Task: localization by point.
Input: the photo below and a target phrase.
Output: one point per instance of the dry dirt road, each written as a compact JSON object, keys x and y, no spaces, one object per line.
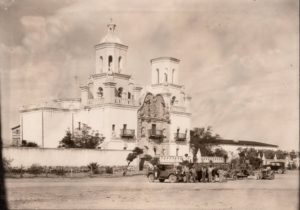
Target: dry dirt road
{"x":137,"y":193}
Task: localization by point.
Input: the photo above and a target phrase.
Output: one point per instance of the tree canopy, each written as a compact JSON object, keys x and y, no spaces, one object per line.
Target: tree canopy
{"x":83,"y":137}
{"x":200,"y":140}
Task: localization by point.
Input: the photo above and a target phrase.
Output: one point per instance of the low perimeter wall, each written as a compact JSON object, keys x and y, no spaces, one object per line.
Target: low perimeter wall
{"x":64,"y":157}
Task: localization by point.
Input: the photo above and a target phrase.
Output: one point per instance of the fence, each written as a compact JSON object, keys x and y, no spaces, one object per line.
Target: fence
{"x":22,"y":156}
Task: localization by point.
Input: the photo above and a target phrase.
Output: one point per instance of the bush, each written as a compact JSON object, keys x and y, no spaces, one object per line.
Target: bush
{"x":35,"y":169}
{"x":6,"y":164}
{"x":109,"y":170}
{"x":28,"y":144}
{"x":94,"y":167}
{"x":17,"y":170}
{"x":60,"y":171}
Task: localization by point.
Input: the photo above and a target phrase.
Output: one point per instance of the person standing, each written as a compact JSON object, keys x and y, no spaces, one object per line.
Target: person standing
{"x":186,"y":173}
{"x":203,"y":171}
{"x":156,"y":171}
{"x":193,"y":173}
{"x":210,"y":170}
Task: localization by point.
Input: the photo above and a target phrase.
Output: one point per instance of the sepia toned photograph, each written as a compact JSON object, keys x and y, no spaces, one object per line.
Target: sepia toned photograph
{"x":149,"y":105}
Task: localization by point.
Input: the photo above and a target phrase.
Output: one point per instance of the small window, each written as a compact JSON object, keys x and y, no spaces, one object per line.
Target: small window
{"x":100,"y":92}
{"x":173,"y":100}
{"x":177,"y":152}
{"x":166,"y":77}
{"x":110,"y":61}
{"x":129,"y":95}
{"x":157,"y":75}
{"x":101,"y":64}
{"x":120,"y":64}
{"x":173,"y":72}
{"x":113,"y":127}
{"x":120,"y":92}
{"x":124,"y":126}
{"x":154,"y":150}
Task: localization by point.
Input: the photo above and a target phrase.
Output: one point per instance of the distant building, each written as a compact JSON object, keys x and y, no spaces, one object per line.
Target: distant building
{"x":15,"y":133}
{"x":232,"y":146}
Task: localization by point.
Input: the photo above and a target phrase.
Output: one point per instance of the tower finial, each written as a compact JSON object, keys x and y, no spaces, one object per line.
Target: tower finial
{"x":111,"y":26}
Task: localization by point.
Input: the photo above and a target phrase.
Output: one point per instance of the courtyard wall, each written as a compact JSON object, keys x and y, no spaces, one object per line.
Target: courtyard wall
{"x":22,"y":156}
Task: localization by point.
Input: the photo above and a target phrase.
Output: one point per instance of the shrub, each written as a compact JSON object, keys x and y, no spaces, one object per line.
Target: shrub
{"x":109,"y":170}
{"x":17,"y":170}
{"x":94,"y":167}
{"x":28,"y":144}
{"x":60,"y":171}
{"x":35,"y":169}
{"x":6,"y":164}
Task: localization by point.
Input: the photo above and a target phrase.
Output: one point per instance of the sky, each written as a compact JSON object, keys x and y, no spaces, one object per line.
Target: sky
{"x":239,"y":59}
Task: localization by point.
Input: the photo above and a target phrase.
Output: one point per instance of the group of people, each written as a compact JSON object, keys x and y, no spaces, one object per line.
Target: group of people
{"x":201,"y":174}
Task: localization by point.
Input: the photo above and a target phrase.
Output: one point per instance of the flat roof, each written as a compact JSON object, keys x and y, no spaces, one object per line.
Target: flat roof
{"x":239,"y":142}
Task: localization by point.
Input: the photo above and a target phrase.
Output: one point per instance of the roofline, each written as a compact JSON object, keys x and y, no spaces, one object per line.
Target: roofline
{"x":165,"y":58}
{"x":240,"y":142}
{"x":17,"y":126}
{"x":66,"y":99}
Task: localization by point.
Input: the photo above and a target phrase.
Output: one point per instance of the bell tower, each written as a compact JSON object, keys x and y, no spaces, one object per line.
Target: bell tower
{"x":111,"y":53}
{"x":164,"y":70}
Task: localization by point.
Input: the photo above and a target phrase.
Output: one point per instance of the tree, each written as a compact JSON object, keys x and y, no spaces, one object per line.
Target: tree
{"x":67,"y":141}
{"x":293,"y":155}
{"x":220,"y":152}
{"x":270,"y":154}
{"x":83,"y":138}
{"x":201,"y":139}
{"x":131,"y":156}
{"x":251,"y":156}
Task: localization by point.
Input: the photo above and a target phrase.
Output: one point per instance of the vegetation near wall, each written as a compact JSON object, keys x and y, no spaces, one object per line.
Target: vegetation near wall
{"x":199,"y":139}
{"x":83,"y":137}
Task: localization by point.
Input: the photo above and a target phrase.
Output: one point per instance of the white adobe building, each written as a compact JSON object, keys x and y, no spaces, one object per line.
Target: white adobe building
{"x":156,"y":118}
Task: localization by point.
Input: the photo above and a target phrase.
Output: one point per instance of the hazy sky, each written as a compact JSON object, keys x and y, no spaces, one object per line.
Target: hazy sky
{"x":239,"y":59}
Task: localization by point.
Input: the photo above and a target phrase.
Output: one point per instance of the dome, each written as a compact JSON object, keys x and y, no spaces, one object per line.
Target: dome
{"x":111,"y":37}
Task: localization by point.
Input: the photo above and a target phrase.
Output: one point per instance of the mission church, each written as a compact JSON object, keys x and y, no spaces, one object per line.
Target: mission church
{"x":156,"y":118}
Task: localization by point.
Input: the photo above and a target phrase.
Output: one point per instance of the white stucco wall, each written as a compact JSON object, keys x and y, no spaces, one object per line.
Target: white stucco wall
{"x":65,"y":157}
{"x":32,"y":126}
{"x":181,"y":121}
{"x":56,"y":124}
{"x":119,"y":116}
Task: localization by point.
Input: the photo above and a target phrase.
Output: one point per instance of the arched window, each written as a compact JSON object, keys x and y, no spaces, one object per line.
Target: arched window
{"x":173,"y":100}
{"x":177,"y":151}
{"x":120,"y":92}
{"x":100,"y":92}
{"x":120,"y":64}
{"x":110,"y":62}
{"x":101,"y":64}
{"x":166,"y":77}
{"x":157,"y":75}
{"x":173,"y":72}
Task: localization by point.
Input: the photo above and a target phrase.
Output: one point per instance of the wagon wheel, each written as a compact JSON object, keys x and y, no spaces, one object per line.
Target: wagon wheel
{"x":280,"y":171}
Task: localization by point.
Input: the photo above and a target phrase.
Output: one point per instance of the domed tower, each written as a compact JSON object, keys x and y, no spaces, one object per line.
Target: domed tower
{"x":110,"y":52}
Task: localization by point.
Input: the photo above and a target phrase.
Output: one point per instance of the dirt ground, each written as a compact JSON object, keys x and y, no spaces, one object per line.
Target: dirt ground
{"x":137,"y":193}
